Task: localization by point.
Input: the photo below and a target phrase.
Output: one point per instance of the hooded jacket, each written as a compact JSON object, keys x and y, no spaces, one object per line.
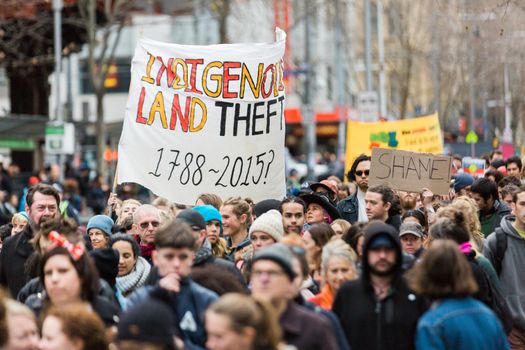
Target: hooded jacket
{"x":373,"y":324}
{"x":511,"y":276}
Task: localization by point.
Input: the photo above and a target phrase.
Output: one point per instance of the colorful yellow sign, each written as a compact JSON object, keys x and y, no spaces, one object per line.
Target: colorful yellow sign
{"x":421,"y":134}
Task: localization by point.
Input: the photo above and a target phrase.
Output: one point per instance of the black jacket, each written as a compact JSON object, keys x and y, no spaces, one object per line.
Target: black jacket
{"x":373,"y":324}
{"x":106,"y":310}
{"x":15,"y":252}
{"x":349,"y":208}
{"x":34,"y":287}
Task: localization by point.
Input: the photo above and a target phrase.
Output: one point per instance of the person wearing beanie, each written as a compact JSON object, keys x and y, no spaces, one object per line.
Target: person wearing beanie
{"x":204,"y":254}
{"x":266,"y":230}
{"x":462,"y":183}
{"x":99,"y":230}
{"x":19,"y":222}
{"x":213,"y":219}
{"x":273,"y":278}
{"x":264,"y":206}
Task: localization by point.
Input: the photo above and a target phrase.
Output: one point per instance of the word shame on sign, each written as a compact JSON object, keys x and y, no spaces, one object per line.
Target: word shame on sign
{"x":206,"y":119}
{"x":410,"y":171}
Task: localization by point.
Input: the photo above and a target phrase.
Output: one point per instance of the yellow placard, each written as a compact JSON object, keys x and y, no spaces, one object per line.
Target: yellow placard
{"x":421,"y":134}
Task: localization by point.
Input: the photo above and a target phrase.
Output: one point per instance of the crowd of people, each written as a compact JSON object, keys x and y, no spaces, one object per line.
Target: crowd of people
{"x":333,"y":265}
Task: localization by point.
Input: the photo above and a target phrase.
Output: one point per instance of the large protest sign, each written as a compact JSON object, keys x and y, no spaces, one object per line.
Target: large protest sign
{"x":205,"y":119}
{"x":410,"y":171}
{"x":421,"y":134}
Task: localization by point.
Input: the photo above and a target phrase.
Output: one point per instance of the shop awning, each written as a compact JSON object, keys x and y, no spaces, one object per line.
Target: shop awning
{"x":292,"y":115}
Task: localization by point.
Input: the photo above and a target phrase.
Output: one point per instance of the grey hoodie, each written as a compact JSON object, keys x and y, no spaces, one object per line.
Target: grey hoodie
{"x":511,"y":276}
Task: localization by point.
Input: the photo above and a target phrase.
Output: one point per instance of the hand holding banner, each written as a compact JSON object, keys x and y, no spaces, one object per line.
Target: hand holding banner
{"x":205,"y":119}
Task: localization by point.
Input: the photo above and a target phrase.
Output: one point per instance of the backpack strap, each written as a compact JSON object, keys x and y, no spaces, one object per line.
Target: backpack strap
{"x":501,"y":247}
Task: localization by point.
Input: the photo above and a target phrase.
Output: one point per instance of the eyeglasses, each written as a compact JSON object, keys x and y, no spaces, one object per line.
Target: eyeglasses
{"x":360,"y":172}
{"x":145,"y":225}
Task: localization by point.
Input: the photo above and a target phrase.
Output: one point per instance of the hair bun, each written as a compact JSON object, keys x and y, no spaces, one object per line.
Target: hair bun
{"x":459,"y":218}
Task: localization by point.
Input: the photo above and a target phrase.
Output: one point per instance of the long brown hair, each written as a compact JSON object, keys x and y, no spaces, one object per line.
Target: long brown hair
{"x":444,"y":272}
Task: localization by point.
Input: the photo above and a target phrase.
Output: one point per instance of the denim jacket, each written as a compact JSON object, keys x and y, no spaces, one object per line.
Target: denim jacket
{"x":456,"y":324}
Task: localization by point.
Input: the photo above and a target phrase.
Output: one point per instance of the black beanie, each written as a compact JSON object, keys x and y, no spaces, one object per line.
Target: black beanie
{"x":106,"y":260}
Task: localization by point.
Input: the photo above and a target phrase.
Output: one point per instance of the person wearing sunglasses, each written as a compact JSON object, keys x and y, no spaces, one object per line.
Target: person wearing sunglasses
{"x":353,"y":207}
{"x":146,"y":221}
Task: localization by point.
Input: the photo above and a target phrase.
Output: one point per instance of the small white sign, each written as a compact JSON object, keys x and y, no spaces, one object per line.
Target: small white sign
{"x":368,"y":106}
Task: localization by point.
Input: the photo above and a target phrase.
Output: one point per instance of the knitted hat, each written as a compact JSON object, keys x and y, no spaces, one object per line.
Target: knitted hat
{"x":278,"y":253}
{"x":209,"y":212}
{"x":462,"y":180}
{"x":271,"y":223}
{"x":265,"y":205}
{"x":192,"y":218}
{"x":102,"y":222}
{"x":150,"y":321}
{"x":106,"y":261}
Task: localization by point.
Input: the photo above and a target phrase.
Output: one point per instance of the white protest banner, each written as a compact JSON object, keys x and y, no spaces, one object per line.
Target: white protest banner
{"x":205,"y":119}
{"x":410,"y":171}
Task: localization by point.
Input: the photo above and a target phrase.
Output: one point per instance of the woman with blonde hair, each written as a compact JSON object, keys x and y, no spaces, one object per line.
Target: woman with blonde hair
{"x":337,"y":266}
{"x":240,"y":322}
{"x":127,"y":208}
{"x":22,"y":329}
{"x":340,"y":227}
{"x":468,"y":207}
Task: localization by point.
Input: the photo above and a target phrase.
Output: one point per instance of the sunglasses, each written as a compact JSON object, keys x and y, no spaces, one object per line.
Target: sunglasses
{"x":145,"y":225}
{"x":360,"y":172}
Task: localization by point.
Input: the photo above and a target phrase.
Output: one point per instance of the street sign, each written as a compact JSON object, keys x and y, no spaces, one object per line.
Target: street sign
{"x":368,"y":106}
{"x":60,"y":138}
{"x":17,"y":144}
{"x":471,"y":137}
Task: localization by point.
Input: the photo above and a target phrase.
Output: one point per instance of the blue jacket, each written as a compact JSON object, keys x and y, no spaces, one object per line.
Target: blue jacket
{"x":457,"y":324}
{"x":189,"y":306}
{"x":349,"y":208}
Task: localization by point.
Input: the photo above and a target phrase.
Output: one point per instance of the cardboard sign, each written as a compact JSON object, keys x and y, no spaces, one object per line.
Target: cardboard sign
{"x":422,"y":134}
{"x":203,"y":119}
{"x":410,"y":171}
{"x":473,"y":166}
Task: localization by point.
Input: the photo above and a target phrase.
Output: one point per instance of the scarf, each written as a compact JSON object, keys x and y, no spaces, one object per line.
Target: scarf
{"x":146,"y":250}
{"x":135,"y":279}
{"x":325,"y":299}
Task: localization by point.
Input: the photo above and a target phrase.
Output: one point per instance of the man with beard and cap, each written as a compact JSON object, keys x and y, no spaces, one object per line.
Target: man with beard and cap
{"x":42,"y":203}
{"x":378,"y":311}
{"x":353,"y":207}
